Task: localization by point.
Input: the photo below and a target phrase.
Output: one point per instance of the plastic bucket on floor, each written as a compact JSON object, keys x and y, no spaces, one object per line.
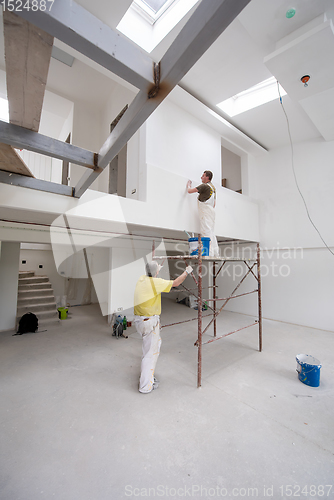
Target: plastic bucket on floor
{"x":193,"y":246}
{"x":62,"y":311}
{"x":308,"y":369}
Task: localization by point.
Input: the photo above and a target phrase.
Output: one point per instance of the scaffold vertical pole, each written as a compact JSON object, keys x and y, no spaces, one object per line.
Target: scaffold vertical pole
{"x":214,"y":296}
{"x":199,"y":310}
{"x":259,"y":296}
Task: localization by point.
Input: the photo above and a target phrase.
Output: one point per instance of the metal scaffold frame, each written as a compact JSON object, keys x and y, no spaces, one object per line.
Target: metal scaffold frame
{"x":199,"y":259}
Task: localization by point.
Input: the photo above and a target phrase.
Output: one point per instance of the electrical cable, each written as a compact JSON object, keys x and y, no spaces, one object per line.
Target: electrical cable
{"x":294,"y":173}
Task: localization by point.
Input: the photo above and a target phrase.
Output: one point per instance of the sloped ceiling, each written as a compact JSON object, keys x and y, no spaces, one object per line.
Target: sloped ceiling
{"x":235,"y":62}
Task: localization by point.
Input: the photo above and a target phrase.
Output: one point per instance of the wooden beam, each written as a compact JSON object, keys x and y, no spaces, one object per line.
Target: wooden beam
{"x":22,"y":138}
{"x":206,"y":24}
{"x":28,"y":182}
{"x":78,"y":28}
{"x":27,"y":54}
{"x":11,"y":161}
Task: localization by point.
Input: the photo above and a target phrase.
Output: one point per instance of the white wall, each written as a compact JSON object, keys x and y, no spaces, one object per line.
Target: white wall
{"x":86,"y":134}
{"x":9,"y":275}
{"x":168,"y":206}
{"x":120,"y":97}
{"x":181,"y":144}
{"x":298,"y":270}
{"x":56,"y":122}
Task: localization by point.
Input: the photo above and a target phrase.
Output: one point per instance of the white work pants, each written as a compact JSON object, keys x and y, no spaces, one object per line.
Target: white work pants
{"x":149,"y":329}
{"x":207,"y":217}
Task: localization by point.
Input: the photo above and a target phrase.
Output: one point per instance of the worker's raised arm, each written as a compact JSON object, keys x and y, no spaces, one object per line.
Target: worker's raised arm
{"x":180,"y":279}
{"x":190,"y":189}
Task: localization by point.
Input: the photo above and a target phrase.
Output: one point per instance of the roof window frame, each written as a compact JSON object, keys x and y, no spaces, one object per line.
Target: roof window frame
{"x":142,"y":8}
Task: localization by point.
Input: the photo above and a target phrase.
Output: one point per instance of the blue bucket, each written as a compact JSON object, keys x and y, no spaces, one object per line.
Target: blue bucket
{"x":193,"y":246}
{"x":308,"y":369}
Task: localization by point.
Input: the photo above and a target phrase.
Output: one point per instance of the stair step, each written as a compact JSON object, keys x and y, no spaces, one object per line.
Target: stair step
{"x":37,"y":308}
{"x":34,"y":299}
{"x":34,"y":286}
{"x":35,"y":292}
{"x":33,"y":279}
{"x":26,"y":274}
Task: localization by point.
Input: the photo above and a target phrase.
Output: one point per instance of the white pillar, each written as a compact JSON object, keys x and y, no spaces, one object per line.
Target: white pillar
{"x":9,"y":276}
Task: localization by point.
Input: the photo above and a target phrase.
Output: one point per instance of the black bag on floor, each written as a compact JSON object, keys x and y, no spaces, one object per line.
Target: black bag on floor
{"x":28,"y":323}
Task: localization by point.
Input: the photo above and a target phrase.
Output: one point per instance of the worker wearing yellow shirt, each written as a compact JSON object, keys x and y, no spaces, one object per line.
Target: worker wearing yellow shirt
{"x":147,"y":311}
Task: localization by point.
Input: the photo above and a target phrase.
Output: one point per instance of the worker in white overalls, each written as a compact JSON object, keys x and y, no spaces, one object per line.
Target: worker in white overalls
{"x":147,"y":309}
{"x":206,"y":202}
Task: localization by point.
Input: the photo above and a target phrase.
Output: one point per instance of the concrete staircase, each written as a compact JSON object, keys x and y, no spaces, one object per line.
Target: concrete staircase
{"x":35,"y":294}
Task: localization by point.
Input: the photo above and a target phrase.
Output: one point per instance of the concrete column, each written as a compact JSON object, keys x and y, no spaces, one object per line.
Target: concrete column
{"x":9,"y":276}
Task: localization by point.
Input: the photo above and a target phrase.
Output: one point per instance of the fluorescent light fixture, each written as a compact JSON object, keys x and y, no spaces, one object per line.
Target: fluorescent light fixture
{"x":261,"y":93}
{"x":4,"y":113}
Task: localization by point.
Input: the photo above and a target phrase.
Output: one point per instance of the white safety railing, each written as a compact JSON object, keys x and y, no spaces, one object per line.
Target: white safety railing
{"x":42,"y":167}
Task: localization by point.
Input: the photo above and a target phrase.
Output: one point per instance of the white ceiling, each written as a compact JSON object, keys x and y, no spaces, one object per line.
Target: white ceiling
{"x":233,"y":63}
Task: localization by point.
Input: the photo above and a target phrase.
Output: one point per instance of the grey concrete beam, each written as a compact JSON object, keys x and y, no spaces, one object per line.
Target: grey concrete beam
{"x":22,"y":138}
{"x":206,"y":24}
{"x":78,"y":28}
{"x":32,"y":183}
{"x":27,"y":55}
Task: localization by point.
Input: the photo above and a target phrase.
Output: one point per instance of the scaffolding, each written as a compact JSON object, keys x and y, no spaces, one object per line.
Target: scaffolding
{"x":217,"y":265}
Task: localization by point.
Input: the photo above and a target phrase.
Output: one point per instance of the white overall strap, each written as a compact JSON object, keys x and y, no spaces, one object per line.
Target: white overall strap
{"x":215,"y":194}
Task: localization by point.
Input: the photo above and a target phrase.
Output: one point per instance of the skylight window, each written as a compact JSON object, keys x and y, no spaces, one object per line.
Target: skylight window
{"x":261,"y":93}
{"x":151,"y":10}
{"x":148,"y":22}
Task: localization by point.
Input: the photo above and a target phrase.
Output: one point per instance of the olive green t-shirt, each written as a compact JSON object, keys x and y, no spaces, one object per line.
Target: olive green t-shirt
{"x":205,"y":191}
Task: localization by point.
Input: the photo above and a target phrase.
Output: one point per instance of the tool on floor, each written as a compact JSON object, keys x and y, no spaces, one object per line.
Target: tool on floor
{"x":117,"y":328}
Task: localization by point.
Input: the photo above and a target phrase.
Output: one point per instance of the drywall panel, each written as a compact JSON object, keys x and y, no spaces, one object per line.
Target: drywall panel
{"x":320,"y":109}
{"x":168,"y":206}
{"x":283,"y":216}
{"x":119,"y":98}
{"x":236,"y":215}
{"x":297,"y":287}
{"x":9,"y":275}
{"x":181,"y":144}
{"x":87,"y":135}
{"x":297,"y":269}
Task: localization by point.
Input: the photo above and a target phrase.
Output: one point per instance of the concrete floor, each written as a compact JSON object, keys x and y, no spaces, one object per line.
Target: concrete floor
{"x":74,"y":426}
